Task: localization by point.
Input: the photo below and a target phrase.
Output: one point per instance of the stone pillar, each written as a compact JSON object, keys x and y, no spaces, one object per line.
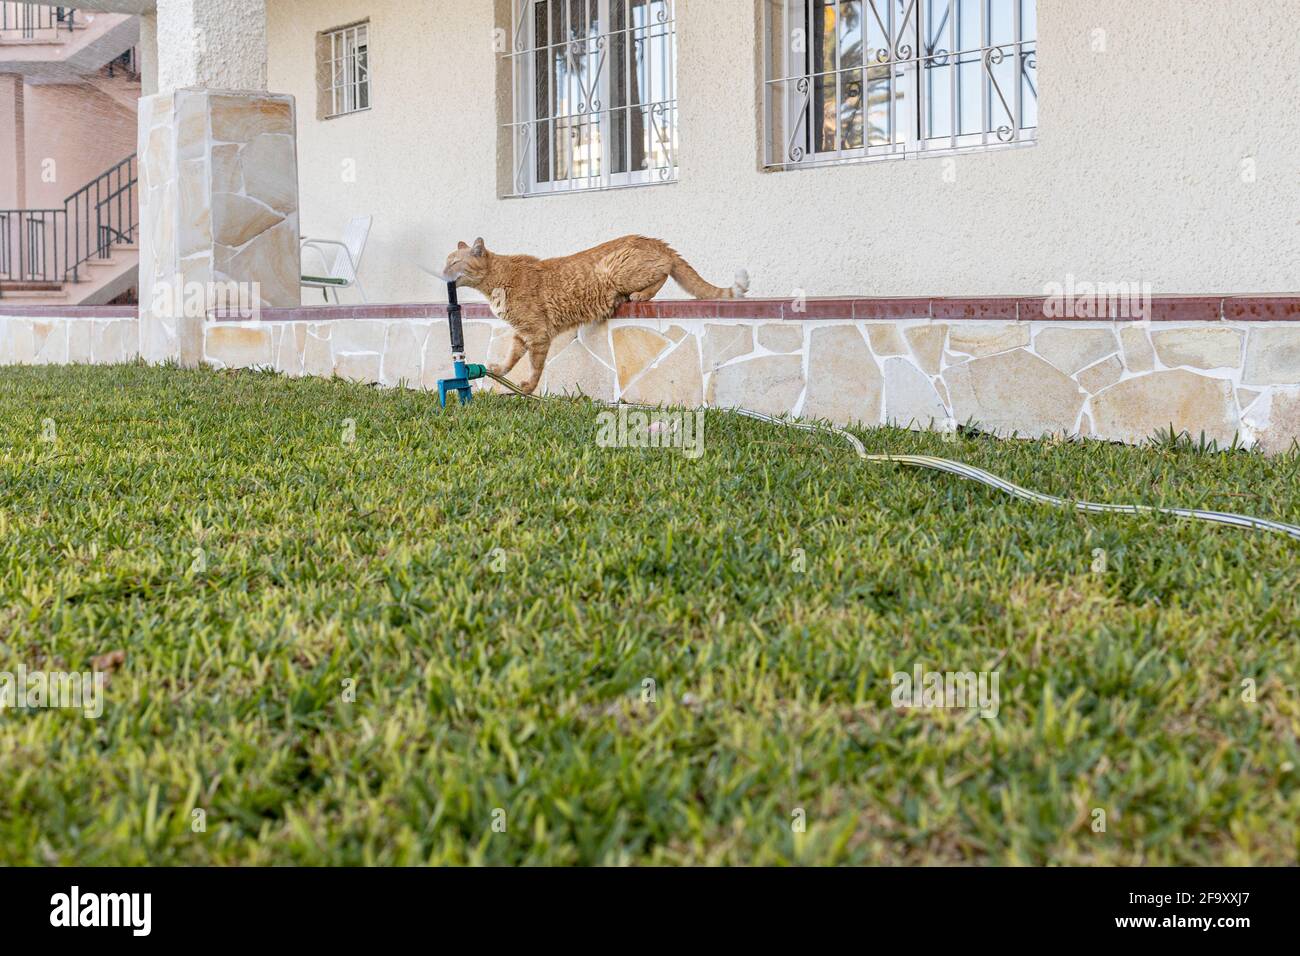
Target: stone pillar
{"x":148,"y":53}
{"x":218,"y":177}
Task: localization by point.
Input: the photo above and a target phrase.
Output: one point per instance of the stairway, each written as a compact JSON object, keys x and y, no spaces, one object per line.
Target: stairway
{"x":82,"y":254}
{"x":119,"y":80}
{"x":111,"y":281}
{"x":53,"y":44}
{"x":84,"y":251}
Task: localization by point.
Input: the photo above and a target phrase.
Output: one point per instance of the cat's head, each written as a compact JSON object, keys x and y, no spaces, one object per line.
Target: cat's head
{"x":468,"y":265}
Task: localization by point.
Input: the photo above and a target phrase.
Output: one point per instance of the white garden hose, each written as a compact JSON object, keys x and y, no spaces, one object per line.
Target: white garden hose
{"x":983,"y":477}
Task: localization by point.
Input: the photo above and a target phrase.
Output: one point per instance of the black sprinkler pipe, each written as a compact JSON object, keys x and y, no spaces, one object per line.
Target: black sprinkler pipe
{"x":462,"y":374}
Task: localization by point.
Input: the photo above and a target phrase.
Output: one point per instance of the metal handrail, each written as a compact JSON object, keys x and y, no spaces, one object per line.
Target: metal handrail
{"x":51,"y":245}
{"x":128,"y":62}
{"x":29,"y":19}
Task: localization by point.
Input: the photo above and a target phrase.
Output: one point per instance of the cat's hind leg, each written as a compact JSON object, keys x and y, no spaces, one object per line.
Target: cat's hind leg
{"x":649,"y":292}
{"x":537,"y":356}
{"x":517,"y":349}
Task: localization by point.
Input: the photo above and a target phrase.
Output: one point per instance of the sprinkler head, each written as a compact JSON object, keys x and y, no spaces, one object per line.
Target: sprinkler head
{"x":462,"y":373}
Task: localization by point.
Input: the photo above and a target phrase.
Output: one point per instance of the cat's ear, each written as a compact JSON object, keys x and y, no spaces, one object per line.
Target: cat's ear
{"x":462,"y":245}
{"x":479,"y":248}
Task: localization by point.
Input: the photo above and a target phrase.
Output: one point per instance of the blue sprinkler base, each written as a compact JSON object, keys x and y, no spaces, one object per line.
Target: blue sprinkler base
{"x":459,"y":385}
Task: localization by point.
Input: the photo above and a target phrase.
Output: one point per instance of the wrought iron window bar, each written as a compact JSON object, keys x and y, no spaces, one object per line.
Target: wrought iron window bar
{"x":597,"y":108}
{"x":910,"y":84}
{"x":349,"y":70}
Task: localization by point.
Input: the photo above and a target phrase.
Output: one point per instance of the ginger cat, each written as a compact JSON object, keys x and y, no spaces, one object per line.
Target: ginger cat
{"x":541,"y":298}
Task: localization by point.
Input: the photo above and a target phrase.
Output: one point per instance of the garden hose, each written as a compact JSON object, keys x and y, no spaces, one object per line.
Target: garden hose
{"x":972,"y":473}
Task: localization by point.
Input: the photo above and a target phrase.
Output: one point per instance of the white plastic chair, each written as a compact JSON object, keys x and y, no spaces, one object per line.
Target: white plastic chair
{"x":342,"y":272}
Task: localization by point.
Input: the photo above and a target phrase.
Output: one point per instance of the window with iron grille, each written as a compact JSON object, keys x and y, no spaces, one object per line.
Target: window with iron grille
{"x":595,"y":94}
{"x":346,"y":70}
{"x":855,"y":80}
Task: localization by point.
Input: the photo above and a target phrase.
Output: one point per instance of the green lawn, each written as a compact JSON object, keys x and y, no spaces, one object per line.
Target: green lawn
{"x":512,"y":679}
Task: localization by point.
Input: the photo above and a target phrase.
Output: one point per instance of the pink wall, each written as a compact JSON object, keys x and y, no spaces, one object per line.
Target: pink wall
{"x":83,"y":131}
{"x":12,"y":161}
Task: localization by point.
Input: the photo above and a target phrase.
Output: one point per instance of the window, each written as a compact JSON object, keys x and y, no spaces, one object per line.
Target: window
{"x":595,"y":94}
{"x":344,"y":57}
{"x":854,"y":80}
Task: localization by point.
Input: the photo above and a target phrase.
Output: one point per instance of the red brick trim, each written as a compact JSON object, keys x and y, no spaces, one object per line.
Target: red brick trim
{"x":983,"y":310}
{"x":940,"y":309}
{"x":1242,"y":308}
{"x":890,"y":308}
{"x":1261,"y":308}
{"x":335,"y":313}
{"x":68,"y":311}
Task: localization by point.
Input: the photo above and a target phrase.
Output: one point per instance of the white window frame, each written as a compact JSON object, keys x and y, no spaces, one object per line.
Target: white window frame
{"x":790,"y":98}
{"x":595,"y":108}
{"x":348,"y":70}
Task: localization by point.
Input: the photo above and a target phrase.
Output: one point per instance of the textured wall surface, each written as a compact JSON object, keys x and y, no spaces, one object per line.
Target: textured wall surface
{"x":1139,"y":174}
{"x":1120,"y":381}
{"x":215,"y":44}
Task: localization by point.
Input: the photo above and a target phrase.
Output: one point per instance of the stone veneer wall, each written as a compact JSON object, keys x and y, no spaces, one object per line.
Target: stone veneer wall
{"x":110,"y":337}
{"x":1111,"y":380}
{"x":219,"y":203}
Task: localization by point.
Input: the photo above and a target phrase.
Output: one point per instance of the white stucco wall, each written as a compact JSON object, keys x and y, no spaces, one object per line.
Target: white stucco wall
{"x":218,"y":44}
{"x":1137,"y":174}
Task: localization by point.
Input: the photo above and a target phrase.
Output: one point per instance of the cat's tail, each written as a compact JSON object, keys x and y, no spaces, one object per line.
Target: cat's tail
{"x":690,"y":280}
